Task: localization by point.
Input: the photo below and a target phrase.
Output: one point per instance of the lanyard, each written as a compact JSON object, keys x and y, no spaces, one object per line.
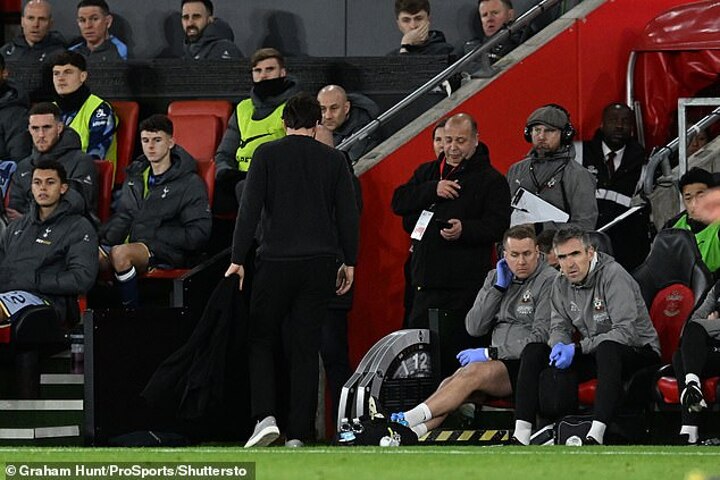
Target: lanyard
{"x":443,"y":163}
{"x":540,"y":187}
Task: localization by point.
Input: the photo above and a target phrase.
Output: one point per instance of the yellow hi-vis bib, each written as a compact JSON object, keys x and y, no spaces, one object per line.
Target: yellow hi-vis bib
{"x":254,"y":133}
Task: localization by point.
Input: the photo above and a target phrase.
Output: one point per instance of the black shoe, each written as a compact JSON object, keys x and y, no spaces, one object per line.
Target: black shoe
{"x":591,"y":441}
{"x":692,"y":398}
{"x":514,"y":442}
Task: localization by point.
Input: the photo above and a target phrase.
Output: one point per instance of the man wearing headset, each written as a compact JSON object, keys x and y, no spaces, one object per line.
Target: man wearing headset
{"x":550,"y":172}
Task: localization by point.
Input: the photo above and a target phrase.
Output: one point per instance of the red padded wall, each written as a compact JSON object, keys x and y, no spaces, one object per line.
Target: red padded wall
{"x":583,"y":69}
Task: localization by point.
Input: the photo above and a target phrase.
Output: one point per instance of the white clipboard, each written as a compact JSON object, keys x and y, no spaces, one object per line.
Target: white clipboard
{"x":529,"y":208}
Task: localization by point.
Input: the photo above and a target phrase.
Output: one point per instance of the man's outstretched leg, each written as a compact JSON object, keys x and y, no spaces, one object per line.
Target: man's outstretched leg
{"x":488,"y":378}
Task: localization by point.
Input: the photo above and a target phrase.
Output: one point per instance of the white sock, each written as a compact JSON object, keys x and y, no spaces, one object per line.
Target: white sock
{"x":126,"y":275}
{"x":691,"y":431}
{"x":597,"y":431}
{"x":691,"y":377}
{"x":418,"y":415}
{"x":523,"y":430}
{"x":420,"y":429}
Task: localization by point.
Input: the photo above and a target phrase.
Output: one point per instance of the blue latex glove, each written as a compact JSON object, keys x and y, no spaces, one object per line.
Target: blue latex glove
{"x":562,"y":355}
{"x":473,"y":355}
{"x":503,"y":275}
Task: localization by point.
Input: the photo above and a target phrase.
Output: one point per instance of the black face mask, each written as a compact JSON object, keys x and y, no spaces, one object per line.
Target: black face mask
{"x":73,"y":101}
{"x":269,"y":88}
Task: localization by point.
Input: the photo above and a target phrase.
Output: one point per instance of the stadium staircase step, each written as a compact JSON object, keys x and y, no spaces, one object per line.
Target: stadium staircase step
{"x":56,"y":417}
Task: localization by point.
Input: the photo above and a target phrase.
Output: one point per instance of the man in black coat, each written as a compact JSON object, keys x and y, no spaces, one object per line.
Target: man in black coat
{"x":300,"y":192}
{"x":455,"y":208}
{"x":616,"y":159}
{"x":164,"y":215}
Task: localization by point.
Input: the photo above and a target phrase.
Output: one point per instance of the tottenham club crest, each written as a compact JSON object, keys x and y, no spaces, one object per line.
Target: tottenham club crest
{"x":44,"y":238}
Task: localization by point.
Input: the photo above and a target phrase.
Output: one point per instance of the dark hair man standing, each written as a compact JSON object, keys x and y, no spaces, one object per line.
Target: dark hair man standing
{"x":304,"y":191}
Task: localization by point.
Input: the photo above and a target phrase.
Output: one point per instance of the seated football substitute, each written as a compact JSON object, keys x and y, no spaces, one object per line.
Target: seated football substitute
{"x":164,"y":216}
{"x":49,"y":255}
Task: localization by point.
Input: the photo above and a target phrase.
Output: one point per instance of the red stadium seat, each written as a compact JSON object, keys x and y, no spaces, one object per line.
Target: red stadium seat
{"x":105,"y":187}
{"x":673,"y":280}
{"x":222,"y":109}
{"x":128,"y":113}
{"x":206,"y":170}
{"x":198,"y":134}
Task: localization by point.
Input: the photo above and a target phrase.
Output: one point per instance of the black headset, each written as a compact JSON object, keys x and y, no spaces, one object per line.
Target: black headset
{"x":567,"y":132}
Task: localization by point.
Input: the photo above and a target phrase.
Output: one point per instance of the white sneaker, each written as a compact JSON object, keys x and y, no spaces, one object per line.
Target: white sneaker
{"x":265,"y":433}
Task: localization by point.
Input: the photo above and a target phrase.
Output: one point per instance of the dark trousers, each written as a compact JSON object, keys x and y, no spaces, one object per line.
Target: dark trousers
{"x":334,"y":353}
{"x":457,"y":299}
{"x":698,"y":354}
{"x":225,"y":199}
{"x":290,"y":297}
{"x":611,"y":363}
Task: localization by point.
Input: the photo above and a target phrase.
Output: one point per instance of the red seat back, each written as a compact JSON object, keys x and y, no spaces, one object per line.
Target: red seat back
{"x":128,"y":114}
{"x":670,"y":308}
{"x":206,"y":170}
{"x":105,"y":187}
{"x":222,"y":109}
{"x":198,"y":134}
{"x":673,"y":279}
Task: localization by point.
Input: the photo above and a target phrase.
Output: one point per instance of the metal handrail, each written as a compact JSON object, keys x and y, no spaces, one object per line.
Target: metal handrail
{"x":661,"y":156}
{"x":502,"y":35}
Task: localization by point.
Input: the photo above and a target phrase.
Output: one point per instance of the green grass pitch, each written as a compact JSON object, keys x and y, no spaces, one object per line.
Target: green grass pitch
{"x":410,"y":463}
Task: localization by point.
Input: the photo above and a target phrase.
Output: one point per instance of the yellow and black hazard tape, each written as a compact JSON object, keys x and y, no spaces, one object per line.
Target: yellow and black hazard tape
{"x":469,"y":437}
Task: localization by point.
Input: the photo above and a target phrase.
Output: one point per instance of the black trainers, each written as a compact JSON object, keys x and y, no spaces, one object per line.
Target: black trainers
{"x":514,"y":442}
{"x":692,"y":398}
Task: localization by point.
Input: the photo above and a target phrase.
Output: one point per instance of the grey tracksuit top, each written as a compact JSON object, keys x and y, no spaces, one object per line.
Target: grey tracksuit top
{"x":608,"y":305}
{"x":518,"y":316}
{"x":558,"y":179}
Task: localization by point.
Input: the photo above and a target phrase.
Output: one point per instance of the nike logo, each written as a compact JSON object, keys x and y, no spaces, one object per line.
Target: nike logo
{"x":244,"y":143}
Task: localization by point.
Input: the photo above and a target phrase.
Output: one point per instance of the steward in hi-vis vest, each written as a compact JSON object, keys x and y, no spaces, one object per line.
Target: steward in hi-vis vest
{"x":256,"y":120}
